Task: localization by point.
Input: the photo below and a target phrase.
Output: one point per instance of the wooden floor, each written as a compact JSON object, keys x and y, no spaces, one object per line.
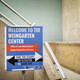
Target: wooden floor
{"x":71,"y":75}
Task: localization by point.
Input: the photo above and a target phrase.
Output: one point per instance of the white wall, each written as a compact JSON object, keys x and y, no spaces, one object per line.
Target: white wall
{"x":46,"y":13}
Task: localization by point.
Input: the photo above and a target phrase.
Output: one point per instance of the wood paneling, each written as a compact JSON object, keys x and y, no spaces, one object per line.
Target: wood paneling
{"x":71,"y":20}
{"x":68,"y":55}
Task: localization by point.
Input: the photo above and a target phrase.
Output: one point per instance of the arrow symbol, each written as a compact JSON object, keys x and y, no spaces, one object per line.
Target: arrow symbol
{"x":34,"y":58}
{"x":37,"y":56}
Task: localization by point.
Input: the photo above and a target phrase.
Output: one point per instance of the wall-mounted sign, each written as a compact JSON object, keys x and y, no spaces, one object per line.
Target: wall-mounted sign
{"x":23,"y":48}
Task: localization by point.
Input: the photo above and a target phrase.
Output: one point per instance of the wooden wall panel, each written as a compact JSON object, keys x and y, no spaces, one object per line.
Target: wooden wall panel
{"x":68,"y":55}
{"x":71,"y":20}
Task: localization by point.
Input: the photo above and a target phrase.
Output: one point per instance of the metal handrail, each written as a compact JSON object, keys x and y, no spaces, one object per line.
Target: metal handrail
{"x":56,"y":61}
{"x":25,"y":20}
{"x":2,"y":15}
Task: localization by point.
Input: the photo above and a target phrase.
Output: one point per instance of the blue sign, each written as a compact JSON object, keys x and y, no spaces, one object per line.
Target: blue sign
{"x":24,"y":48}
